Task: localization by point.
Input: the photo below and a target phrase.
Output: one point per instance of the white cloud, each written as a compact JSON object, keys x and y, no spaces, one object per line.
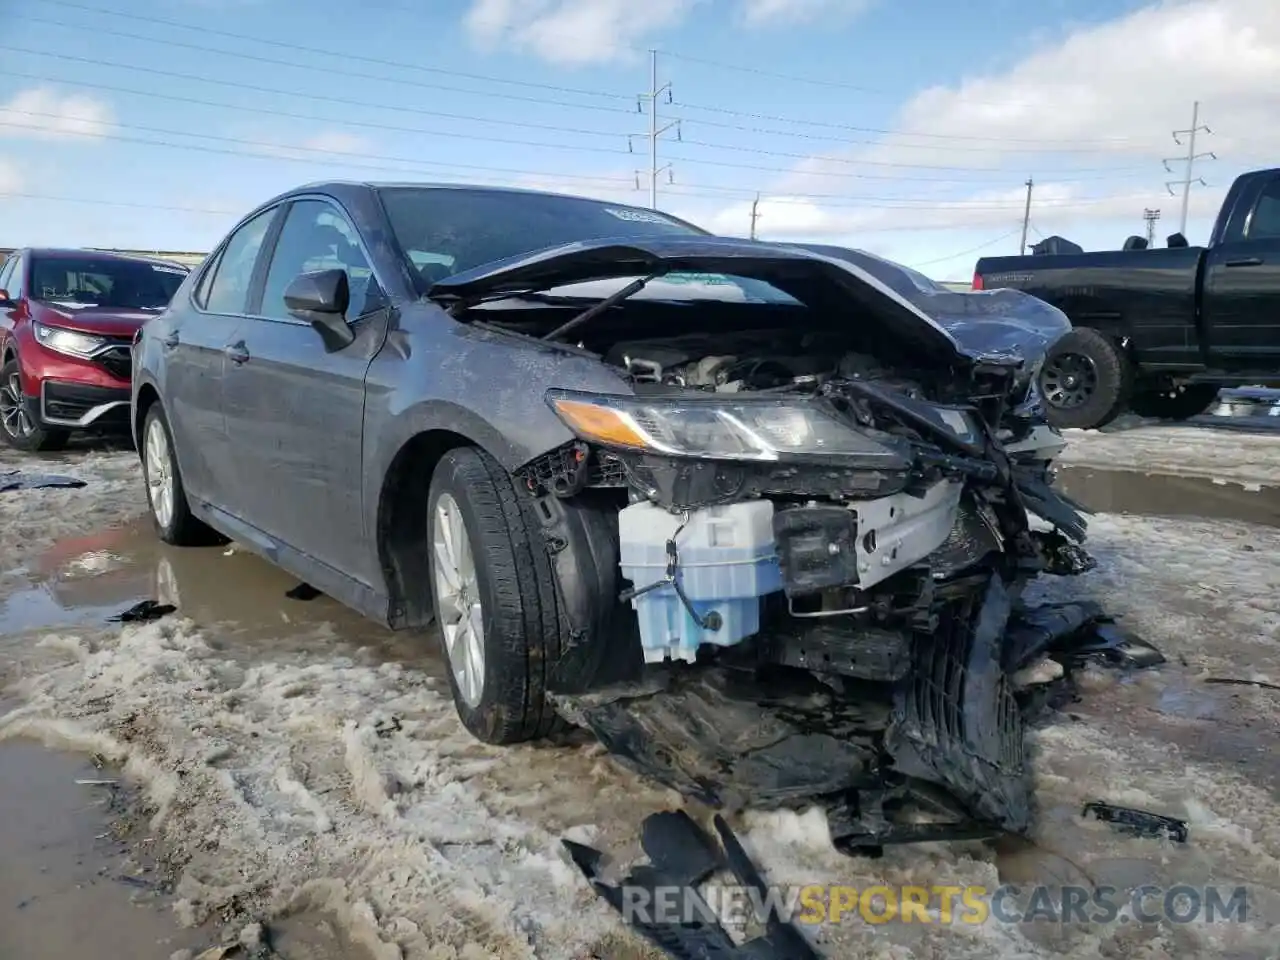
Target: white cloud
{"x":758,"y":13}
{"x":39,"y":113}
{"x":10,"y":177}
{"x":577,"y":32}
{"x":572,"y":32}
{"x":1088,"y":115}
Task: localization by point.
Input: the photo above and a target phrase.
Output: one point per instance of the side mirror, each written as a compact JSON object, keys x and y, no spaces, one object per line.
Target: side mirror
{"x":321,"y":299}
{"x":5,"y":300}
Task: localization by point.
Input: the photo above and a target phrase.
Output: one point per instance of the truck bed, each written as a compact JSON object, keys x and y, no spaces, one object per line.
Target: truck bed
{"x":1147,"y":296}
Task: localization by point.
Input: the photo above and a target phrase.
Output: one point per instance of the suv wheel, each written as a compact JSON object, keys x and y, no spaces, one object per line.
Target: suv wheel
{"x":16,"y":424}
{"x":1085,"y":381}
{"x":495,"y":601}
{"x":166,"y":495}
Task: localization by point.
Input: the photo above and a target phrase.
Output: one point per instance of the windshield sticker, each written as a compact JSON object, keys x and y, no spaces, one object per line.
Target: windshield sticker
{"x":637,"y":216}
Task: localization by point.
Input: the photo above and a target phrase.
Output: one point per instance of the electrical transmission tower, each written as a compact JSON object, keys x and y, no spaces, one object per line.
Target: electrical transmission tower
{"x":1026,"y":218}
{"x":1190,"y":160}
{"x":1151,"y":216}
{"x":755,"y":215}
{"x":655,"y":132}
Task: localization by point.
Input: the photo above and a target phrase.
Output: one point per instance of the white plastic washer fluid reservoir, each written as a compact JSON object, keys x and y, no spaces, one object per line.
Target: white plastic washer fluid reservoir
{"x":726,"y":561}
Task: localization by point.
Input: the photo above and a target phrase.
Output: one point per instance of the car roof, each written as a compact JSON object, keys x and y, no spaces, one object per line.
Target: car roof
{"x":96,"y":255}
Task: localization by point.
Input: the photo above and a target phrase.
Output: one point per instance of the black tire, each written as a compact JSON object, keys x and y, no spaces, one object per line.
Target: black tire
{"x":179,"y":527}
{"x":513,"y":583}
{"x":23,"y":433}
{"x":1191,"y":401}
{"x":1085,"y":381}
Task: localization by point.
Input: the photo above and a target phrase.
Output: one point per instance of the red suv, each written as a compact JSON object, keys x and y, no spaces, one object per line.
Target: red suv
{"x":67,"y":323}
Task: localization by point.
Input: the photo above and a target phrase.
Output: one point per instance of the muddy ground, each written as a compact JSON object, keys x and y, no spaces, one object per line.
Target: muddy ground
{"x":296,"y":765}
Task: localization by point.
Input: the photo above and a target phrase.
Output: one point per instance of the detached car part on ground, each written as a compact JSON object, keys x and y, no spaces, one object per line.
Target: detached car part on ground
{"x":757,"y":515}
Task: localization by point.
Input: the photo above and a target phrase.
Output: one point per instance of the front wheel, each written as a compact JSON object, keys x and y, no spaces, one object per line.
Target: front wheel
{"x":1175,"y":404}
{"x":1085,"y":380}
{"x":19,"y":428}
{"x":494,"y":597}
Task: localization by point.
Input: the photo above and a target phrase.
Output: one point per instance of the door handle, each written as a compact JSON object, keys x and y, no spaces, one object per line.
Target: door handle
{"x":236,"y":352}
{"x":1245,"y":262}
{"x":171,"y":340}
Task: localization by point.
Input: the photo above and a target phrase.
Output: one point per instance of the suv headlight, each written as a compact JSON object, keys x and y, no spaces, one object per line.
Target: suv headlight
{"x":71,"y":342}
{"x":716,"y":428}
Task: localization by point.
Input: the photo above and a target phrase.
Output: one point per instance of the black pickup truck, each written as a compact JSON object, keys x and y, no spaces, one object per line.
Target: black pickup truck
{"x":1160,"y":331}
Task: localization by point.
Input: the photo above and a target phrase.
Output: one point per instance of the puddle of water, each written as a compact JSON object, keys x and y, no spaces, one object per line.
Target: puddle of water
{"x":87,"y":579}
{"x":60,"y":889}
{"x":1169,"y":495}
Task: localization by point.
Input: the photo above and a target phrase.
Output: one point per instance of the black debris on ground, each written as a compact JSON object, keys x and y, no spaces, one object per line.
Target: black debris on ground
{"x":1138,"y":823}
{"x":17,"y":480}
{"x":1232,"y":681}
{"x":144,"y":611}
{"x":682,"y":856}
{"x":303,"y":591}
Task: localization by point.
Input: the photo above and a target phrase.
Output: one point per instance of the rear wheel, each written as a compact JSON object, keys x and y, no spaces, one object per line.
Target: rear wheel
{"x":166,"y":495}
{"x":495,"y":601}
{"x":1085,"y":380}
{"x":1175,"y":404}
{"x":19,"y":428}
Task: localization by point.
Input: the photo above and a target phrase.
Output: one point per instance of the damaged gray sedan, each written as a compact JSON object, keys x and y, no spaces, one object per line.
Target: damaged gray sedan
{"x":757,"y":515}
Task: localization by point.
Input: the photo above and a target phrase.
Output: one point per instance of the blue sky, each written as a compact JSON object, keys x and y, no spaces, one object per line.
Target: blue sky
{"x":906,"y":128}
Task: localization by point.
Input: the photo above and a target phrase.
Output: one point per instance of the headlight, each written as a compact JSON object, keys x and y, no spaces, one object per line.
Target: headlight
{"x":70,"y":342}
{"x":762,"y":430}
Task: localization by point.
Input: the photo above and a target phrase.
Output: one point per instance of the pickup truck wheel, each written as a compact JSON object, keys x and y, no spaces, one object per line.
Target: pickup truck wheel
{"x":494,"y":598}
{"x":20,"y":429}
{"x":1191,"y":401}
{"x":1085,"y":380}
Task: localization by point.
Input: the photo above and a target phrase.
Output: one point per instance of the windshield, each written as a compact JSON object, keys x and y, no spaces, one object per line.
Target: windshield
{"x":91,"y":282}
{"x":444,"y":231}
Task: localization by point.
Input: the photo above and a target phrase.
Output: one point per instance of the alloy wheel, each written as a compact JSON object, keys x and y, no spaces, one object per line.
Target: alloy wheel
{"x":159,"y":472}
{"x":13,"y":412}
{"x":1068,"y":380}
{"x":456,"y":586}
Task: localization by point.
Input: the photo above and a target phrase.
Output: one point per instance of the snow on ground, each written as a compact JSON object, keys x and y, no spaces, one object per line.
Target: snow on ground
{"x":1230,"y":455}
{"x":309,"y":774}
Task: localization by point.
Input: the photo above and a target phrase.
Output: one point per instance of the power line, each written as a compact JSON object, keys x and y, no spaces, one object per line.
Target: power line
{"x":277,"y":147}
{"x":962,"y":253}
{"x":1191,"y":159}
{"x":329,"y":70}
{"x":324,"y":98}
{"x":346,"y":55}
{"x":455,"y":134}
{"x":320,"y":98}
{"x":774,"y":118}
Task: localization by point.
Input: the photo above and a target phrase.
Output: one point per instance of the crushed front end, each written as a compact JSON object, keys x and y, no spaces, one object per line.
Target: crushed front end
{"x":821,"y":569}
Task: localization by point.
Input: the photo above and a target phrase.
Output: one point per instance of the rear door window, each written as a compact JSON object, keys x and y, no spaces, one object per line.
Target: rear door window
{"x":229,"y":289}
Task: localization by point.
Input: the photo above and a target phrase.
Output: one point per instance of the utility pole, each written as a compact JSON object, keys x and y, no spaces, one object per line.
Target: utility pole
{"x":1026,"y":219}
{"x":655,"y":132}
{"x":1151,"y":216}
{"x":1190,"y":160}
{"x":755,"y":215}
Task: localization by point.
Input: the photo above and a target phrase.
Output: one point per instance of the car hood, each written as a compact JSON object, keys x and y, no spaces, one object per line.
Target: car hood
{"x":106,"y":321}
{"x":989,"y":323}
{"x":808,"y":275}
